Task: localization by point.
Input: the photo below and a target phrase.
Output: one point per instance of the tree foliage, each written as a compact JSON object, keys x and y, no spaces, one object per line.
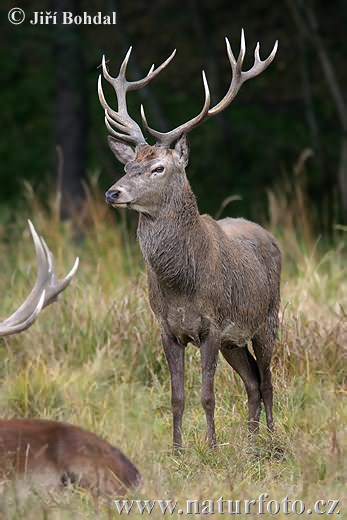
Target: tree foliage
{"x":250,"y":148}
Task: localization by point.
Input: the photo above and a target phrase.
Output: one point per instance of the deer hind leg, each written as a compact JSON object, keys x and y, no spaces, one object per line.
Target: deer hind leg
{"x":241,"y":360}
{"x":263,"y":345}
{"x":174,"y":354}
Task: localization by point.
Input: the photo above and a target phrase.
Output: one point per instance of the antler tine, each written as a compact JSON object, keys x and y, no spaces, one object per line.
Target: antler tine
{"x":238,"y":76}
{"x":123,"y":67}
{"x":45,"y":291}
{"x":260,"y":65}
{"x":242,"y":52}
{"x":152,"y":73}
{"x":115,"y":123}
{"x":56,"y":287}
{"x":166,"y":138}
{"x":107,"y":107}
{"x":109,"y":121}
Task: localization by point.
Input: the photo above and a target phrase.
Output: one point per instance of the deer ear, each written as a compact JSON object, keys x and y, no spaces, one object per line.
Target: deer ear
{"x":182,"y":148}
{"x":123,"y":151}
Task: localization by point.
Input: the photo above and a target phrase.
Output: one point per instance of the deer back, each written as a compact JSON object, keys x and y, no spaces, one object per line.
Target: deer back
{"x":52,"y":454}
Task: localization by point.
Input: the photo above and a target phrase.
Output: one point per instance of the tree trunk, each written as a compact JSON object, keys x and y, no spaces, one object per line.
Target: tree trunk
{"x":342,"y":174}
{"x":310,"y":111}
{"x":71,"y":109}
{"x":306,"y":21}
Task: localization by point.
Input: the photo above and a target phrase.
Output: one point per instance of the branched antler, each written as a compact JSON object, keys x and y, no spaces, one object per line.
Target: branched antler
{"x":238,"y":78}
{"x":122,"y":126}
{"x":127,"y":129}
{"x":46,"y":289}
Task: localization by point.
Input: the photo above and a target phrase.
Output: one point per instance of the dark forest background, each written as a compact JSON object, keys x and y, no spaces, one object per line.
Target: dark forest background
{"x":289,"y":125}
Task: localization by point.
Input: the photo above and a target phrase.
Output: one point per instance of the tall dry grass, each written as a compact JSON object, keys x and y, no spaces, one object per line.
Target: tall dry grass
{"x":95,"y":360}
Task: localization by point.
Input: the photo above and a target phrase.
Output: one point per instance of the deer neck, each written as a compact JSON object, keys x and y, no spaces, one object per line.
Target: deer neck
{"x":171,"y":240}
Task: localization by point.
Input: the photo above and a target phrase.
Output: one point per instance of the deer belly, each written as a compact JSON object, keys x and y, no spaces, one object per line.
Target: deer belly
{"x":186,"y":326}
{"x":235,"y":334}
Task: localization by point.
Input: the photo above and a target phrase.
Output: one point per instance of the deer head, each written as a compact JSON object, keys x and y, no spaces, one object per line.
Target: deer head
{"x":156,"y":174}
{"x":45,"y":291}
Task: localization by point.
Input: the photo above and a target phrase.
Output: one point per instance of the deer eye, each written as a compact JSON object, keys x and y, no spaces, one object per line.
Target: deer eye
{"x":158,"y":169}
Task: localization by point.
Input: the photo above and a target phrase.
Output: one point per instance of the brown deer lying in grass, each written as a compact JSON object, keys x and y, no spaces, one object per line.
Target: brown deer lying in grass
{"x":215,"y":284}
{"x":52,"y":454}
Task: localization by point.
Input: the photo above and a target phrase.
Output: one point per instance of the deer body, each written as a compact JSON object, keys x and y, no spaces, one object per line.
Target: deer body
{"x":215,"y":284}
{"x":205,"y":275}
{"x":53,"y":454}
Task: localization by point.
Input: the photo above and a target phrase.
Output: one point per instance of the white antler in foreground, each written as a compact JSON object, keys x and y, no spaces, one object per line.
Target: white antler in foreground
{"x":46,"y":289}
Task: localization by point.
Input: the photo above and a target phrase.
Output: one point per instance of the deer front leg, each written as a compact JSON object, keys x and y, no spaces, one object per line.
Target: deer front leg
{"x":174,"y":354}
{"x":209,"y":356}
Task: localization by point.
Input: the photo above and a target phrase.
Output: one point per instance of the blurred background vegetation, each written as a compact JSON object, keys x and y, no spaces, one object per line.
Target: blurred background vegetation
{"x":286,"y":127}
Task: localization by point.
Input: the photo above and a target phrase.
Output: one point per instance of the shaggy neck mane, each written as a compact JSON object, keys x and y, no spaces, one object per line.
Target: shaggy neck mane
{"x":171,"y":241}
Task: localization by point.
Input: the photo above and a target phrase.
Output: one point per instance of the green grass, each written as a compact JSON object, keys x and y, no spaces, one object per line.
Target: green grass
{"x":95,"y":360}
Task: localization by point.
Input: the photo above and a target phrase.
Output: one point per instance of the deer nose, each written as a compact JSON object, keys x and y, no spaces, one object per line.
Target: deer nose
{"x":111,"y":196}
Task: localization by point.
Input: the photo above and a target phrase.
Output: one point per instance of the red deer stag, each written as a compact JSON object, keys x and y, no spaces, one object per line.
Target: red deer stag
{"x":52,"y":454}
{"x":215,"y":284}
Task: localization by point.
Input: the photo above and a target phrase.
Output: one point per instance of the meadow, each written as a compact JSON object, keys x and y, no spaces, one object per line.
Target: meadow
{"x":95,"y":359}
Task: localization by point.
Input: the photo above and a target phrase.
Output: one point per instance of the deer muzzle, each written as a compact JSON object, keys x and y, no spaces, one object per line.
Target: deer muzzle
{"x":118,"y":197}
